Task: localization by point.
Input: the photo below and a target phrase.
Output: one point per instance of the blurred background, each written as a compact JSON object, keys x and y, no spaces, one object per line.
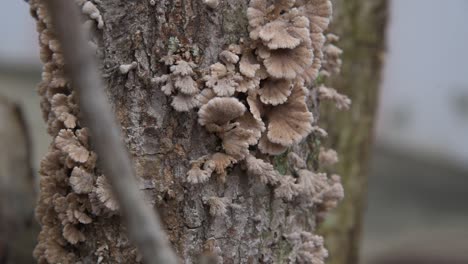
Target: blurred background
{"x":416,"y":208}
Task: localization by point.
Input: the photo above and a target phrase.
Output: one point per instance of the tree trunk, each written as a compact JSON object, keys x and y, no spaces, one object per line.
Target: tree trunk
{"x":361,"y":25}
{"x":79,"y":219}
{"x":17,"y":192}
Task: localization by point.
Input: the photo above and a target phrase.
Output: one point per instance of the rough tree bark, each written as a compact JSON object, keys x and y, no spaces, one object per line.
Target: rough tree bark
{"x":163,"y":142}
{"x":361,"y":25}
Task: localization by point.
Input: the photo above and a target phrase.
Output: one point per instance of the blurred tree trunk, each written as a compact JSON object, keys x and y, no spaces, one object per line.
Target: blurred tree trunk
{"x":17,"y":192}
{"x":361,"y":25}
{"x":162,"y":142}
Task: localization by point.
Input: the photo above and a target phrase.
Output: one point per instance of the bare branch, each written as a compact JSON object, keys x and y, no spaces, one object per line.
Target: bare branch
{"x":143,"y":223}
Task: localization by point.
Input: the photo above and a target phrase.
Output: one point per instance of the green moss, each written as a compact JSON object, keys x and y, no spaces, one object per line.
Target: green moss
{"x":174,"y":44}
{"x":284,"y":249}
{"x":314,"y":146}
{"x":195,"y":50}
{"x":281,"y":163}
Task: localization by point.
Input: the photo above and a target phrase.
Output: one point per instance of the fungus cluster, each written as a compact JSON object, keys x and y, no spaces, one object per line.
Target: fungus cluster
{"x":73,"y":192}
{"x":254,"y":99}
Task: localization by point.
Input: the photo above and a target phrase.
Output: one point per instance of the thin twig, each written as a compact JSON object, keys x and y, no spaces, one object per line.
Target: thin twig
{"x":143,"y":224}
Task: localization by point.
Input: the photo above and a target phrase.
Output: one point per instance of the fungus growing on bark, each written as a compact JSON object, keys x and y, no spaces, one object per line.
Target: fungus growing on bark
{"x":72,"y":234}
{"x":288,"y":188}
{"x":275,"y":91}
{"x":291,"y":122}
{"x":287,"y":63}
{"x":125,"y":68}
{"x":236,"y":142}
{"x":81,"y":181}
{"x":267,"y":147}
{"x":332,"y":59}
{"x":211,"y":3}
{"x":248,"y":64}
{"x":180,"y":81}
{"x":342,"y":102}
{"x":221,"y":163}
{"x":91,"y":10}
{"x":306,"y":248}
{"x":218,"y":113}
{"x":200,"y":171}
{"x":217,"y":206}
{"x":223,"y":79}
{"x":318,"y":189}
{"x":60,"y":106}
{"x":327,"y":157}
{"x":265,"y":171}
{"x":255,"y":100}
{"x":104,"y":193}
{"x":68,"y":143}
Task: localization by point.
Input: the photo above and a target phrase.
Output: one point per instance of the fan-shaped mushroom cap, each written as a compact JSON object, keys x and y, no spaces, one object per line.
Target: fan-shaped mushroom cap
{"x":228,"y":57}
{"x":255,"y":105}
{"x":288,"y":63}
{"x":264,"y":170}
{"x":220,"y":111}
{"x":248,"y":84}
{"x":218,"y":70}
{"x":291,"y":122}
{"x":167,"y":88}
{"x":319,"y":13}
{"x":205,"y":95}
{"x":236,"y":142}
{"x":341,"y":100}
{"x":186,"y":85}
{"x":197,"y":175}
{"x":248,"y":122}
{"x":68,"y":143}
{"x":275,"y":91}
{"x":184,"y":103}
{"x":248,"y":65}
{"x":224,"y":86}
{"x":332,"y":50}
{"x":222,"y":80}
{"x":332,"y":37}
{"x":267,"y":147}
{"x":285,"y":33}
{"x":81,"y":181}
{"x":61,"y":107}
{"x":256,"y":13}
{"x":105,"y":195}
{"x":182,"y":68}
{"x":72,"y":234}
{"x":82,"y":217}
{"x":332,"y":62}
{"x":222,"y":162}
{"x":310,"y":74}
